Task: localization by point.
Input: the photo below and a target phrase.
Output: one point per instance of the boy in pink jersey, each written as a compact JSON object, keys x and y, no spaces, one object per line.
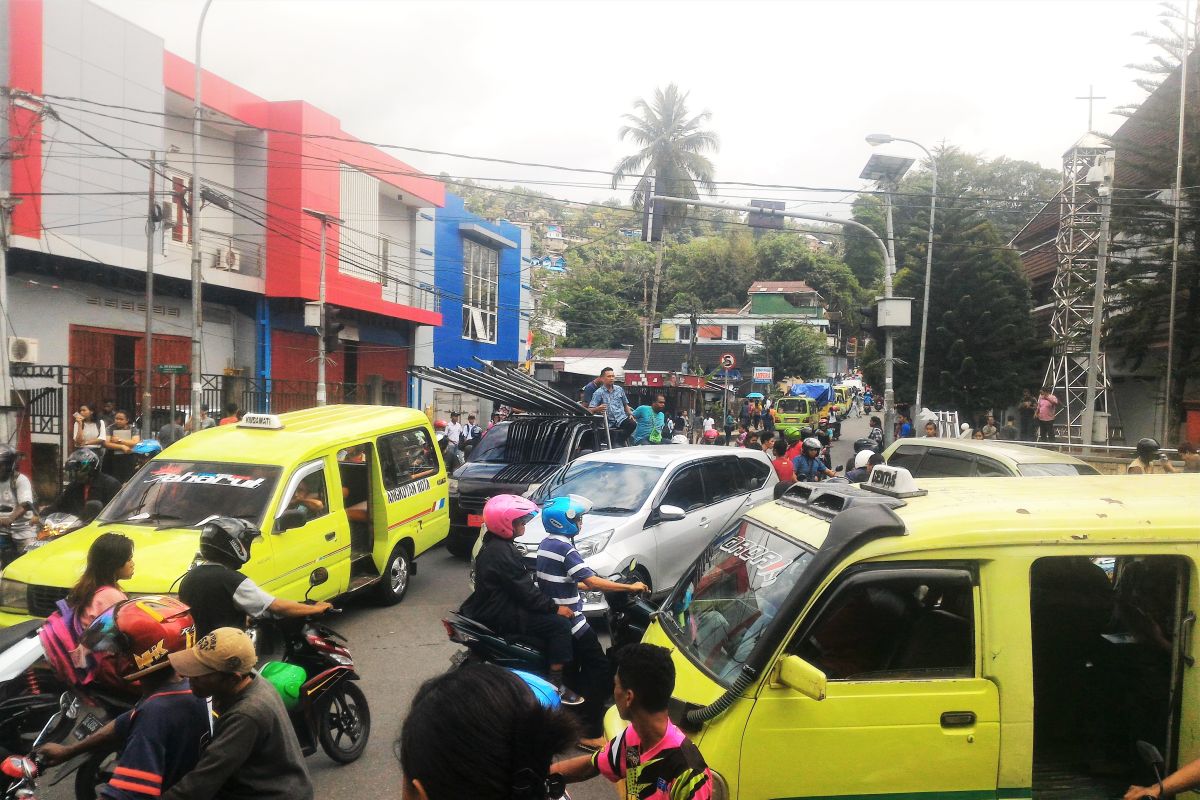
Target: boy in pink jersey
{"x":652,"y":756}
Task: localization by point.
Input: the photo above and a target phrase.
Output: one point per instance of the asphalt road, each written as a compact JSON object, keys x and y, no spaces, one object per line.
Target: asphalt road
{"x":398,"y":648}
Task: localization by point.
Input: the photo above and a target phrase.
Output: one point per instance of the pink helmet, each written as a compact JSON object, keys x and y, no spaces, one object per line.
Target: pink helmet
{"x":503,"y":510}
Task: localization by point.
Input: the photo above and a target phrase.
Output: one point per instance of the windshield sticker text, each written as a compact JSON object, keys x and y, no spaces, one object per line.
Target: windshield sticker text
{"x":408,"y":490}
{"x":755,"y":555}
{"x":174,"y":475}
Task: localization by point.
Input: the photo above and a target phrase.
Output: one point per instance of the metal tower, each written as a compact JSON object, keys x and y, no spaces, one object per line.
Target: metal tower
{"x":1074,"y":289}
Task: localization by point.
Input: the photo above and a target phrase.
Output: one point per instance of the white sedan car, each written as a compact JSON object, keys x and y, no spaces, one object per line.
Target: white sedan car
{"x":656,"y":505}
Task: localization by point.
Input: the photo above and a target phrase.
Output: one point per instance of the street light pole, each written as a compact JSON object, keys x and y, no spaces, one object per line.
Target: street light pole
{"x":325,"y":220}
{"x":148,"y":347}
{"x":197,"y":272}
{"x":883,"y":138}
{"x":889,"y":398}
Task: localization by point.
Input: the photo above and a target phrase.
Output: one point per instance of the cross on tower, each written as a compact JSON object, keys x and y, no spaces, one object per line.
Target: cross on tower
{"x":1090,"y":97}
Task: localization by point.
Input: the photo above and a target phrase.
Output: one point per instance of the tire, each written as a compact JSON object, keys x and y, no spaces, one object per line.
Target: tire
{"x":460,"y":545}
{"x":397,"y":574}
{"x":94,"y":773}
{"x":344,"y":723}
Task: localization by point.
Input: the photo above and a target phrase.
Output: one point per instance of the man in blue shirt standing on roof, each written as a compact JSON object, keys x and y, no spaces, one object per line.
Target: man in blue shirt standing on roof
{"x":560,"y":571}
{"x":611,"y":400}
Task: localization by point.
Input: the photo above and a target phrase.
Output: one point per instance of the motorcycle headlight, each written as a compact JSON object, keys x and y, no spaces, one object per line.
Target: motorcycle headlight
{"x":13,"y":595}
{"x":453,"y":486}
{"x":593,"y":543}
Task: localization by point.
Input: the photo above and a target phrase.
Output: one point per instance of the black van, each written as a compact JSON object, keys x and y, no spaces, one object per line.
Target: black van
{"x":510,"y":458}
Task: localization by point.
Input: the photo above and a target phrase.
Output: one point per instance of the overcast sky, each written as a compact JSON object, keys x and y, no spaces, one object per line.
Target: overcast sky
{"x":792,"y":86}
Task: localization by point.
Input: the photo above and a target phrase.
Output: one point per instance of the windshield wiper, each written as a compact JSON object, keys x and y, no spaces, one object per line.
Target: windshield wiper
{"x":611,"y":510}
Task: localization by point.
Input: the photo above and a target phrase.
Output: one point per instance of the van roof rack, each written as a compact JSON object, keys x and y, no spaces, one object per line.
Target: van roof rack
{"x":828,"y":499}
{"x":506,"y":386}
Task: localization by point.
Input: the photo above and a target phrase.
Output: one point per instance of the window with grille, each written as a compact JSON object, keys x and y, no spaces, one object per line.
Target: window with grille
{"x":481,"y":273}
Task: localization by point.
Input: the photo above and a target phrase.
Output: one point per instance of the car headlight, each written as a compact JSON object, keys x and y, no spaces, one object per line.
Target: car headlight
{"x":593,"y":543}
{"x":453,"y":486}
{"x":13,"y":595}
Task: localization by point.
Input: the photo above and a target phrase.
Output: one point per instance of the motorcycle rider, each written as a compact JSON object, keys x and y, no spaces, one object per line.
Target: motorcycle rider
{"x":1149,"y":460}
{"x":218,"y":594}
{"x":561,"y":572}
{"x":253,"y":751}
{"x":85,"y":484}
{"x":160,"y":737}
{"x":809,"y":466}
{"x":18,"y":519}
{"x":505,"y":598}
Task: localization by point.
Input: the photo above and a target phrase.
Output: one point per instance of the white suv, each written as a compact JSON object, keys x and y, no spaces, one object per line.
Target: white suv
{"x":659,"y":505}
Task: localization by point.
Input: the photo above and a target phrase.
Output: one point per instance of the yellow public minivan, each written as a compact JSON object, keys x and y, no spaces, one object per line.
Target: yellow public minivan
{"x":841,"y":400}
{"x":358,"y":490}
{"x":798,"y":412}
{"x":1010,"y":638}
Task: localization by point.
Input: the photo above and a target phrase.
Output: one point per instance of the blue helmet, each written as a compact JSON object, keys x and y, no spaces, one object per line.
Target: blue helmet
{"x":147,"y":447}
{"x":543,"y":691}
{"x":564,"y":515}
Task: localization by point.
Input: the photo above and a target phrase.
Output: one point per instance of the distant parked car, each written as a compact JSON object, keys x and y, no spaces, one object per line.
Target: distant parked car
{"x":510,"y":458}
{"x":657,"y":505}
{"x":967,"y":458}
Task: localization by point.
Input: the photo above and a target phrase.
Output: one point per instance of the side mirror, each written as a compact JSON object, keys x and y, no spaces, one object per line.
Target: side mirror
{"x":801,"y":676}
{"x":319,"y":575}
{"x":1150,"y":756}
{"x":670,"y":513}
{"x":292,"y":518}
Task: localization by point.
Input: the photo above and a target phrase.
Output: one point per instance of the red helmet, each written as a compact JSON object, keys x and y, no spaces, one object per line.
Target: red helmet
{"x":142,"y":632}
{"x":440,"y":425}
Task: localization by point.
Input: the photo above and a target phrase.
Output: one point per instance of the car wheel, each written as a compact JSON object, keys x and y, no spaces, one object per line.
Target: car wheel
{"x":459,"y":543}
{"x":644,"y":577}
{"x":396,"y":576}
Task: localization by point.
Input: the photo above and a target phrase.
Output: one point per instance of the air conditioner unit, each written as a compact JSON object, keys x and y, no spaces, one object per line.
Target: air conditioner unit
{"x":22,"y":350}
{"x":167,"y":213}
{"x":228,"y":259}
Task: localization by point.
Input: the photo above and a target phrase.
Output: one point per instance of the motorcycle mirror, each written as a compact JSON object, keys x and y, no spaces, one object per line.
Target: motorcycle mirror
{"x":1149,"y":755}
{"x":91,"y":510}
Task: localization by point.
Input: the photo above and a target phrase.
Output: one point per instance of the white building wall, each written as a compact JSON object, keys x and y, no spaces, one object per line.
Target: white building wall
{"x":358,"y":235}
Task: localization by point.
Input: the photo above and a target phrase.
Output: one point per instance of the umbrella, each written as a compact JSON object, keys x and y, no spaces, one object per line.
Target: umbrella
{"x":754,"y":396}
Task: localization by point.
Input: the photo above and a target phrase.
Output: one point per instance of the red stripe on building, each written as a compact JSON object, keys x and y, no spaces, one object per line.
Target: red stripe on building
{"x":24,"y":127}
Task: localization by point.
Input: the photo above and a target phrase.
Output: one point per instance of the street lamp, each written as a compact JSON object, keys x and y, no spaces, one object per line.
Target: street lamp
{"x":876,"y":139}
{"x":195,"y":201}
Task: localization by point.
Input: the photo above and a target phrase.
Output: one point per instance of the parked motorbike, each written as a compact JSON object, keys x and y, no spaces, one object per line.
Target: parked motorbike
{"x":327,"y":708}
{"x":628,"y":617}
{"x":879,"y":404}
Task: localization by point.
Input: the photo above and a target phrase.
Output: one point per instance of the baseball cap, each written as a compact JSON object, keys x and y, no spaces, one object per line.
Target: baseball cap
{"x":224,"y":650}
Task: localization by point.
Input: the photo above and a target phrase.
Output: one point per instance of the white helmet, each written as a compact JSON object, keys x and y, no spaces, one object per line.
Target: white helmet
{"x":863,"y":458}
{"x":812,"y":443}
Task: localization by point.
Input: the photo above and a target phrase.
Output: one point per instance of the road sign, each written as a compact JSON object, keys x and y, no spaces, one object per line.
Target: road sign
{"x":728,"y":361}
{"x":171,"y":369}
{"x":763,"y":374}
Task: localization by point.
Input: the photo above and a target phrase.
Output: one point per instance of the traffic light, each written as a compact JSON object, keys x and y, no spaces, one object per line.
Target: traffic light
{"x":333,"y":326}
{"x":868,"y":324}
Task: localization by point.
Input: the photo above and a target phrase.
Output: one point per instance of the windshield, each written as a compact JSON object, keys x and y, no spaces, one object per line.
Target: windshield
{"x":791,"y":405}
{"x":724,"y":604}
{"x":492,"y":448}
{"x":540,"y":440}
{"x":1055,"y":470}
{"x":179,"y":494}
{"x":612,"y":488}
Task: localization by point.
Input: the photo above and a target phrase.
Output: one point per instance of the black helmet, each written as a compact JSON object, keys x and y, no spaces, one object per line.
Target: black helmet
{"x":227,"y":540}
{"x":1147,"y":448}
{"x":8,"y":460}
{"x":82,"y":464}
{"x":863,"y":444}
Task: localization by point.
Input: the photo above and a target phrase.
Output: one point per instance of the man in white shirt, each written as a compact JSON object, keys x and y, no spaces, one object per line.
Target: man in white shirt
{"x":454,"y":430}
{"x":709,"y":423}
{"x":18,"y":520}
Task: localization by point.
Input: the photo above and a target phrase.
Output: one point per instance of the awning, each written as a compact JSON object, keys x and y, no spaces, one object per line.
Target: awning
{"x":505,"y":386}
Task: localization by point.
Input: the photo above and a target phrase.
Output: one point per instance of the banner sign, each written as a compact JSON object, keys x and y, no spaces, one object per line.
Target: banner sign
{"x":763,"y":374}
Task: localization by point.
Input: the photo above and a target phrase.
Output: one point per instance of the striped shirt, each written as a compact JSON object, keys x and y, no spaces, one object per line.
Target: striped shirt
{"x":560,"y":568}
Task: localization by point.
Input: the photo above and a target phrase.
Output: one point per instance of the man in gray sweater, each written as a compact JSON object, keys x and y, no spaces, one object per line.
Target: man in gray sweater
{"x":254,"y":754}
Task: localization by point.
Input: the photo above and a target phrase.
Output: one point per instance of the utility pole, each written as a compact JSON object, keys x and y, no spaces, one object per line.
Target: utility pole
{"x":1168,"y":411}
{"x":194,"y":222}
{"x":148,"y":367}
{"x":7,"y":204}
{"x":1105,"y":178}
{"x":325,"y":220}
{"x":889,"y":341}
{"x":653,"y":223}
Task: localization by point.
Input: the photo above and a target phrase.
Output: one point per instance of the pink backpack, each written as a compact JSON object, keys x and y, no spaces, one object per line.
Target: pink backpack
{"x":60,"y":637}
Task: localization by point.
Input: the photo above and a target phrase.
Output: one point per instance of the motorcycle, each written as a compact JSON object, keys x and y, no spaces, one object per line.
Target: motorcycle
{"x":19,"y":774}
{"x":879,"y":404}
{"x":628,"y":617}
{"x":325,"y":704}
{"x":55,"y":525}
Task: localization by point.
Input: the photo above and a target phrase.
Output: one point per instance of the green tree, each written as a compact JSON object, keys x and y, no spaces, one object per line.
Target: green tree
{"x":793,"y":349}
{"x":982,"y":348}
{"x":786,"y":257}
{"x":716,"y":269}
{"x":595,"y":318}
{"x":671,"y":149}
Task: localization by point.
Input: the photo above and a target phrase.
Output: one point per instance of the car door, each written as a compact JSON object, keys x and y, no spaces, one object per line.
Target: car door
{"x":760,"y":477}
{"x":907,"y":456}
{"x":906,"y":712}
{"x":322,"y":539}
{"x":677,"y":542}
{"x":728,"y":489}
{"x":939,"y":463}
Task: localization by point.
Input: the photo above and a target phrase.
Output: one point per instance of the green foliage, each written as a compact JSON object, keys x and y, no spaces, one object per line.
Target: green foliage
{"x":786,"y":257}
{"x":685,"y":303}
{"x":595,"y":317}
{"x":671,"y":150}
{"x":982,"y":349}
{"x":717,"y":270}
{"x":861,"y":251}
{"x":793,"y":349}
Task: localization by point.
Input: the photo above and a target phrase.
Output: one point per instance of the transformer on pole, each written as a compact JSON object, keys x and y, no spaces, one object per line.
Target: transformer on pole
{"x":1082,"y":215}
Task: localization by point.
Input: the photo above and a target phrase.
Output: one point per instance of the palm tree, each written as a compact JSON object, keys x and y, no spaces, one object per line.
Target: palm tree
{"x":672,"y":148}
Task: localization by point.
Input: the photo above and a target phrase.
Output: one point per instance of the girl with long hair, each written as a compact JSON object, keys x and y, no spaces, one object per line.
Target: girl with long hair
{"x":109,"y":560}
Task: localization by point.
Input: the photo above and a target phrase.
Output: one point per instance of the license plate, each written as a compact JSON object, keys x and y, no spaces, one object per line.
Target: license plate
{"x":459,"y":657}
{"x":474,"y":520}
